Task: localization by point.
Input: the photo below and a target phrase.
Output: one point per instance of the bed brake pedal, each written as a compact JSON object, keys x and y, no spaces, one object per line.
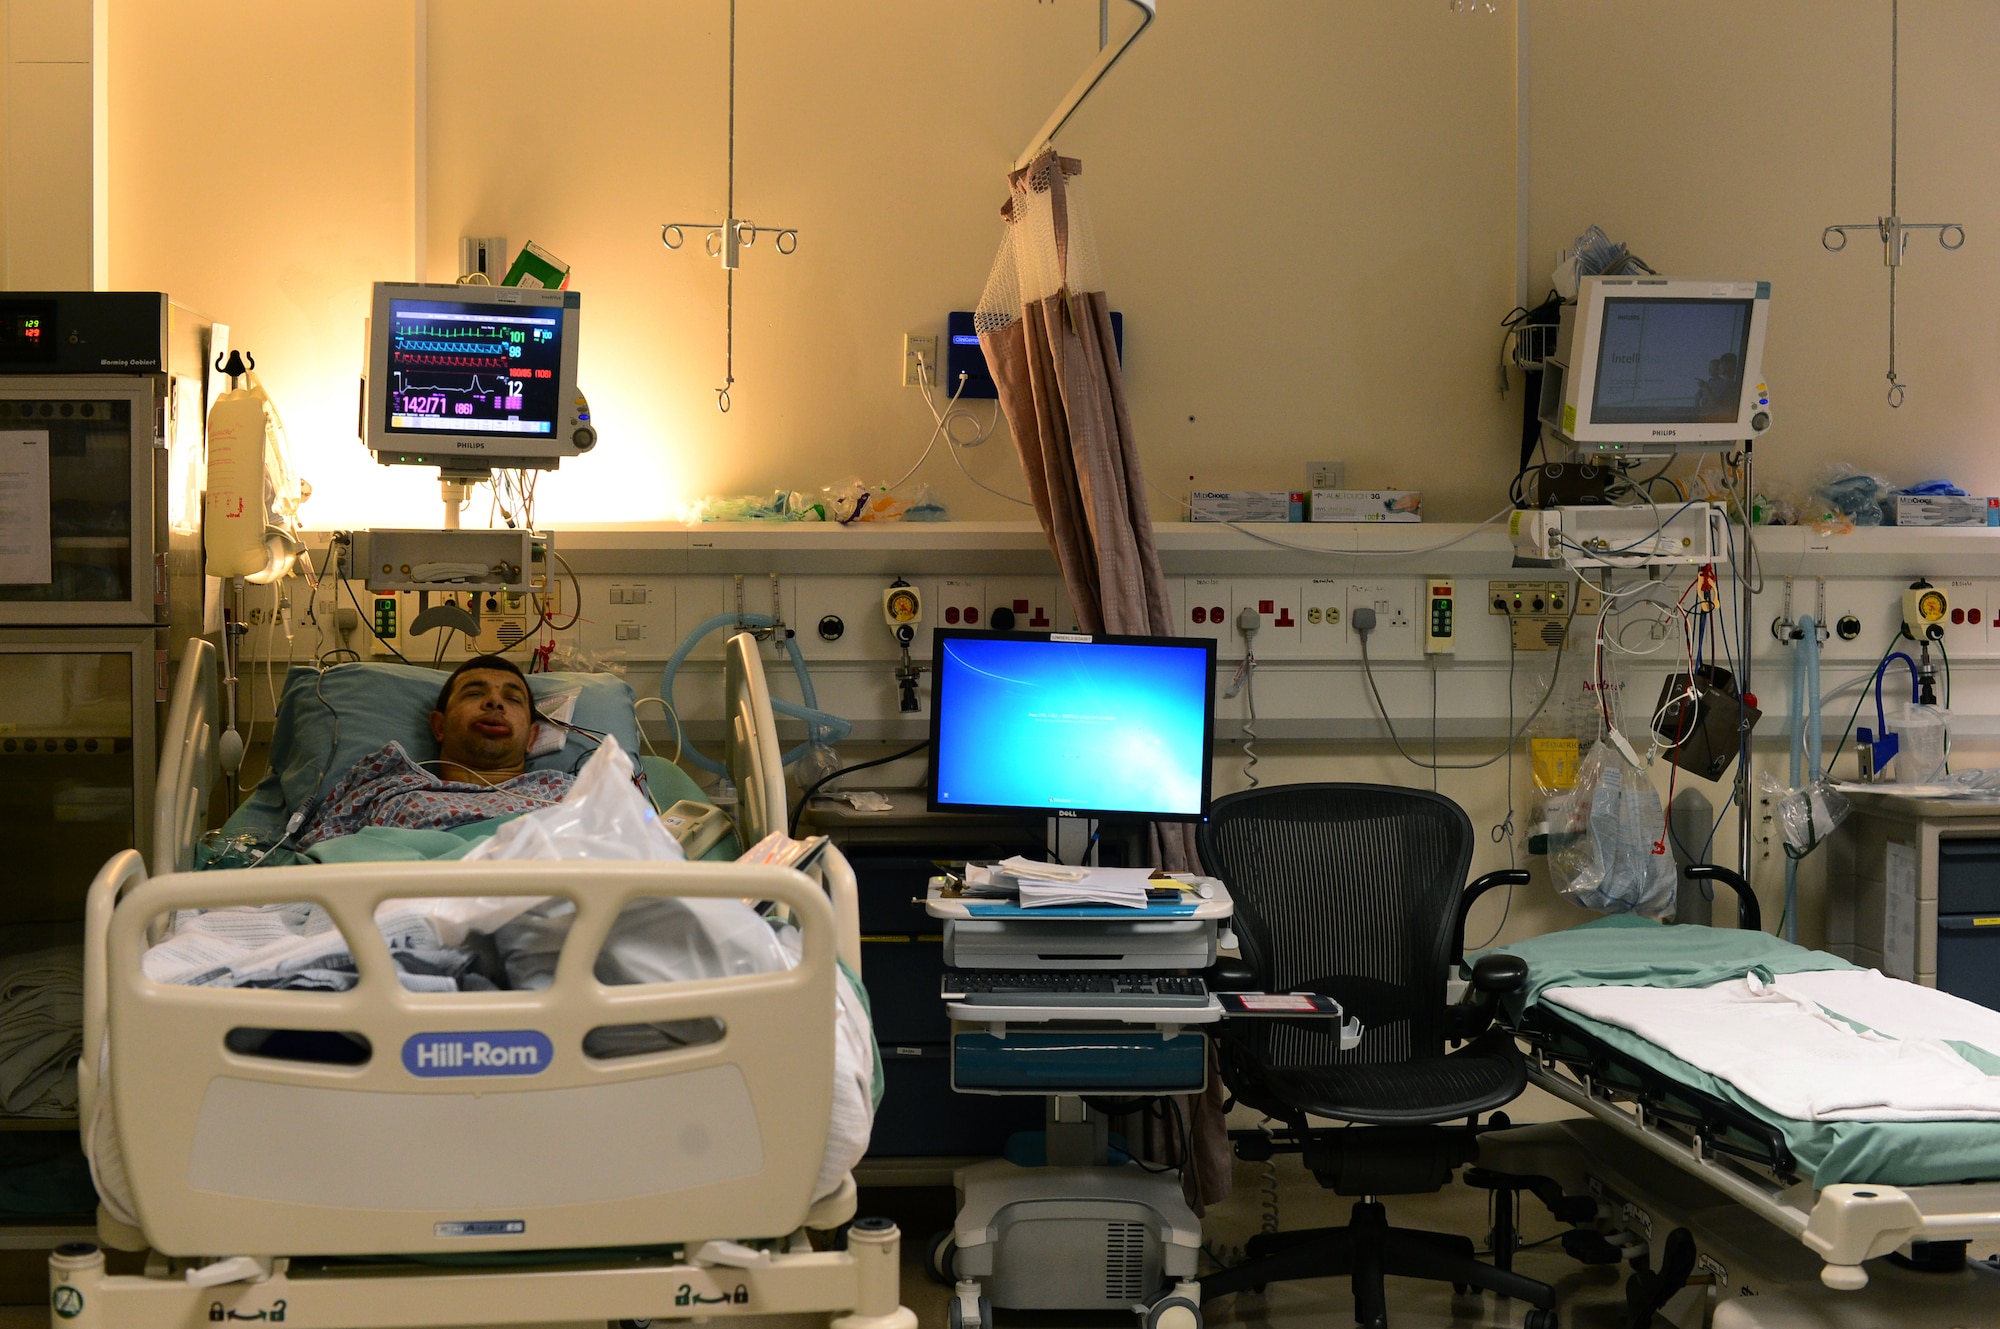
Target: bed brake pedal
{"x":235,"y":1269}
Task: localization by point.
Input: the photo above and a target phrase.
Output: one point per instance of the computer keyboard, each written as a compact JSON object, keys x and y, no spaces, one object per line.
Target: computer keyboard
{"x":1007,"y":987}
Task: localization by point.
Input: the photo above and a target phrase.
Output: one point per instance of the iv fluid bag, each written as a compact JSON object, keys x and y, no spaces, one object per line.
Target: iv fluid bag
{"x":250,"y":516}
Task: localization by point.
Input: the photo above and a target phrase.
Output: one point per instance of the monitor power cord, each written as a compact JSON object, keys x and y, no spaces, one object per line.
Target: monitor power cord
{"x":799,"y":808}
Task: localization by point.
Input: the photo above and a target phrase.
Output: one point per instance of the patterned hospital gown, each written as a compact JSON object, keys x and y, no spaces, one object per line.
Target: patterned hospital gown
{"x":388,"y":788}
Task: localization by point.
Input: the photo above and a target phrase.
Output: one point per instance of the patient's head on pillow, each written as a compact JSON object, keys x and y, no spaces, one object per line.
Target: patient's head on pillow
{"x":484,"y":720}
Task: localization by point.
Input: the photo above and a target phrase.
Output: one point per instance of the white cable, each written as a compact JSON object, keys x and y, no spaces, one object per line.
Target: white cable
{"x":666,"y":706}
{"x":1514,"y":735}
{"x":936,"y":430}
{"x":1250,"y":725}
{"x":952,"y":441}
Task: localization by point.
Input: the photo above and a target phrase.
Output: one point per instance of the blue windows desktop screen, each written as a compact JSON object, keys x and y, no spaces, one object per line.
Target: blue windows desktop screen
{"x":1054,"y":724}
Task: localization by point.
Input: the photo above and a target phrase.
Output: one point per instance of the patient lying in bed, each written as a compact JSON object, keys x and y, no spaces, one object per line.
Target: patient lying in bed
{"x":484,"y":722}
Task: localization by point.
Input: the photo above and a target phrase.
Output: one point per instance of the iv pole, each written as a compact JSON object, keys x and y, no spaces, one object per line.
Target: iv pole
{"x":1892,"y":229}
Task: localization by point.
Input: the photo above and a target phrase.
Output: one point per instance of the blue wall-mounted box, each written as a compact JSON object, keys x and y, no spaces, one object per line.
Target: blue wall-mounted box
{"x":963,"y":356}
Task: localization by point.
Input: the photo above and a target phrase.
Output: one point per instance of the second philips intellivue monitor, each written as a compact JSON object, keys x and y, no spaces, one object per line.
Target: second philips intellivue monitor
{"x":469,"y":377}
{"x":1065,"y":724}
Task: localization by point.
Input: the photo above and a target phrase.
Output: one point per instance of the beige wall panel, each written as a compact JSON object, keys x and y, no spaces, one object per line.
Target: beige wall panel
{"x":260,"y":169}
{"x":1720,"y":139}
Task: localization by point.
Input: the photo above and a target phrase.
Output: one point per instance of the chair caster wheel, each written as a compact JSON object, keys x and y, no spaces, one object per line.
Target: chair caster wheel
{"x":1464,"y":1290}
{"x":1172,"y":1313}
{"x":940,"y":1257}
{"x":1540,"y":1320}
{"x":969,"y":1309}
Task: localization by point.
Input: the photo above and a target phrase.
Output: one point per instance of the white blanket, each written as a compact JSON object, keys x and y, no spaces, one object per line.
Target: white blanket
{"x":1776,"y":1042}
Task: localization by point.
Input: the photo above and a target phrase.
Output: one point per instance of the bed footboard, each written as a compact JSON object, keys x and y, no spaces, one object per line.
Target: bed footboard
{"x":475,"y":1121}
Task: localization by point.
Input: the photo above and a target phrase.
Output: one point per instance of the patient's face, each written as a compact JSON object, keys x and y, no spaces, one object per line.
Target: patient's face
{"x":486,"y":726}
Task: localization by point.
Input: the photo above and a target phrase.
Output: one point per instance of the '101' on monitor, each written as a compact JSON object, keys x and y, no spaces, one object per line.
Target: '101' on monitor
{"x":1063,"y":724}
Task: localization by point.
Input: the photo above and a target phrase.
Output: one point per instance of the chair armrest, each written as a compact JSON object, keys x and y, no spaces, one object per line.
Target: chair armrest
{"x":1229,"y":974}
{"x":1749,"y":915}
{"x":1493,"y":976}
{"x":1504,"y":877}
{"x":1497,"y":975}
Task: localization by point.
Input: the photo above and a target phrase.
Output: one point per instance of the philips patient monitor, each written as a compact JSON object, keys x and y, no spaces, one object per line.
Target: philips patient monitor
{"x":1648,"y":364}
{"x":1068,"y":725}
{"x":472,"y":379}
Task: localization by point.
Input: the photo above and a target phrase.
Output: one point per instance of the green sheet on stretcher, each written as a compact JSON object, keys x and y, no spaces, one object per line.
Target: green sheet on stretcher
{"x":1629,"y":951}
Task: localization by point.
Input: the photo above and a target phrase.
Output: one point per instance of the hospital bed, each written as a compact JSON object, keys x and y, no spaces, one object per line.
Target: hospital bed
{"x":545,"y":1186}
{"x":1843,"y":1189}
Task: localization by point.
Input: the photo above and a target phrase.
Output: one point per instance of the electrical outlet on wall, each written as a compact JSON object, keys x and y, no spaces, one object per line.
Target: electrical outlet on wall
{"x":915,"y":345}
{"x":485,"y":255}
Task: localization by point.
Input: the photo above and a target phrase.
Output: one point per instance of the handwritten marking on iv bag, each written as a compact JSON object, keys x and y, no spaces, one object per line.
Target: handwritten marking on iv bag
{"x":487,"y":1052}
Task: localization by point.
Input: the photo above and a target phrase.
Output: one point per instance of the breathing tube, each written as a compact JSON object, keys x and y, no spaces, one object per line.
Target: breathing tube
{"x":823,"y":729}
{"x":1807,"y":766}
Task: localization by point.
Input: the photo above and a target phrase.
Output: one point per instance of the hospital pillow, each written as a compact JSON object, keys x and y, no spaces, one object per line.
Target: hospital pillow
{"x":376,"y":703}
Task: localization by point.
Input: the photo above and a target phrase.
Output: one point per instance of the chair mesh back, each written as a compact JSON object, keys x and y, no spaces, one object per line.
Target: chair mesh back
{"x":1354,"y":883}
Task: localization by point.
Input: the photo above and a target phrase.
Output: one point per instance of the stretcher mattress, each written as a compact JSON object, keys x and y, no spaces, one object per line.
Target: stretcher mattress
{"x":1628,"y":951}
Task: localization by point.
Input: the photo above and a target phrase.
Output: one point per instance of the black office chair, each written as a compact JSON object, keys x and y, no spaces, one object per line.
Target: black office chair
{"x":1359,"y":892}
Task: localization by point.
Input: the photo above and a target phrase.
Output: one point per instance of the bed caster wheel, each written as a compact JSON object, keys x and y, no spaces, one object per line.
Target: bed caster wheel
{"x":940,"y":1259}
{"x":1172,"y":1313}
{"x":969,"y":1309}
{"x":1541,"y":1320}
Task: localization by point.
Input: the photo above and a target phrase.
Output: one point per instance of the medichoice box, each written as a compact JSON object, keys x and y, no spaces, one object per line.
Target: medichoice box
{"x":1944,"y":510}
{"x":1247,"y":505}
{"x":1367,"y":505}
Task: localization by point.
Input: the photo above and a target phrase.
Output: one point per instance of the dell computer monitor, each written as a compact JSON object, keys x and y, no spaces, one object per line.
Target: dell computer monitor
{"x":1657,"y":364}
{"x":1064,"y":724}
{"x":473,"y":378}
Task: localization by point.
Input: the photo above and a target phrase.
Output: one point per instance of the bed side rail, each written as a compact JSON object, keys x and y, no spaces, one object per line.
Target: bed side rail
{"x":188,"y":764}
{"x":845,"y":897}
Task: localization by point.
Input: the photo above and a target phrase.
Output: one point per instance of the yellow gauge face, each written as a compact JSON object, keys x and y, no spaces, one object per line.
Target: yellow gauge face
{"x":1930,"y":607}
{"x":901,"y":606}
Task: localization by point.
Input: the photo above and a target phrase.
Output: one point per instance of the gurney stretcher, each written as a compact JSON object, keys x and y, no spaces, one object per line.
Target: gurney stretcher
{"x":1753,"y":1159}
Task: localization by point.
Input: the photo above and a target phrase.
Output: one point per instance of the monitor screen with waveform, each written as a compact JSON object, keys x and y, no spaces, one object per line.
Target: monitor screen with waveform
{"x":460,"y":367}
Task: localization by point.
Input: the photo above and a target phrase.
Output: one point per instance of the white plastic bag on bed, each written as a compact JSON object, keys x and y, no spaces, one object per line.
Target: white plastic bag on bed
{"x":1602,"y":838}
{"x":604,"y":816}
{"x":657,"y":940}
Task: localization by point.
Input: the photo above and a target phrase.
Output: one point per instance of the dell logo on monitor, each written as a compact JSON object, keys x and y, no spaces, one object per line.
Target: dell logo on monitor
{"x":489,"y":1052}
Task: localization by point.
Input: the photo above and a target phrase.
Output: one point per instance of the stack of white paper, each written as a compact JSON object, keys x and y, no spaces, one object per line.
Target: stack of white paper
{"x":1045,"y":884}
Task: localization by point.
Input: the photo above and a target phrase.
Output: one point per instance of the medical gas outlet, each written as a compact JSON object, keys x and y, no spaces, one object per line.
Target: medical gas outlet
{"x":903,"y":610}
{"x":1925,"y":609}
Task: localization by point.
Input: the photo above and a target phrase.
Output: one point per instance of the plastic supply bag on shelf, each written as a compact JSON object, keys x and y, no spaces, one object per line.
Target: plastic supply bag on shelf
{"x":1805,"y":816}
{"x":1604,"y":850}
{"x":1592,"y":254}
{"x":855,"y":501}
{"x":781,"y":505}
{"x":1844,"y":496}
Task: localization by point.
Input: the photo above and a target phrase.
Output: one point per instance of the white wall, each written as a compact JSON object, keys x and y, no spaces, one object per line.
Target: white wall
{"x":1307,"y":212}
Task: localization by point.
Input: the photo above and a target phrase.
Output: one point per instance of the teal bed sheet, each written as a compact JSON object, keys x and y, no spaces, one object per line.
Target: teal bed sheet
{"x":397,"y":844}
{"x":1625,"y":950}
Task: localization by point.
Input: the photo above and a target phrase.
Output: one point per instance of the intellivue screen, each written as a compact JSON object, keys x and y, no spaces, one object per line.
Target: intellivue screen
{"x":1092,"y":726}
{"x":1670,"y":361}
{"x":459,"y":367}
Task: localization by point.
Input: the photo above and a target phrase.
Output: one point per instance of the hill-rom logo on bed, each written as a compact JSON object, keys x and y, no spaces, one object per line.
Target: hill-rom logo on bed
{"x":488,"y":1052}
